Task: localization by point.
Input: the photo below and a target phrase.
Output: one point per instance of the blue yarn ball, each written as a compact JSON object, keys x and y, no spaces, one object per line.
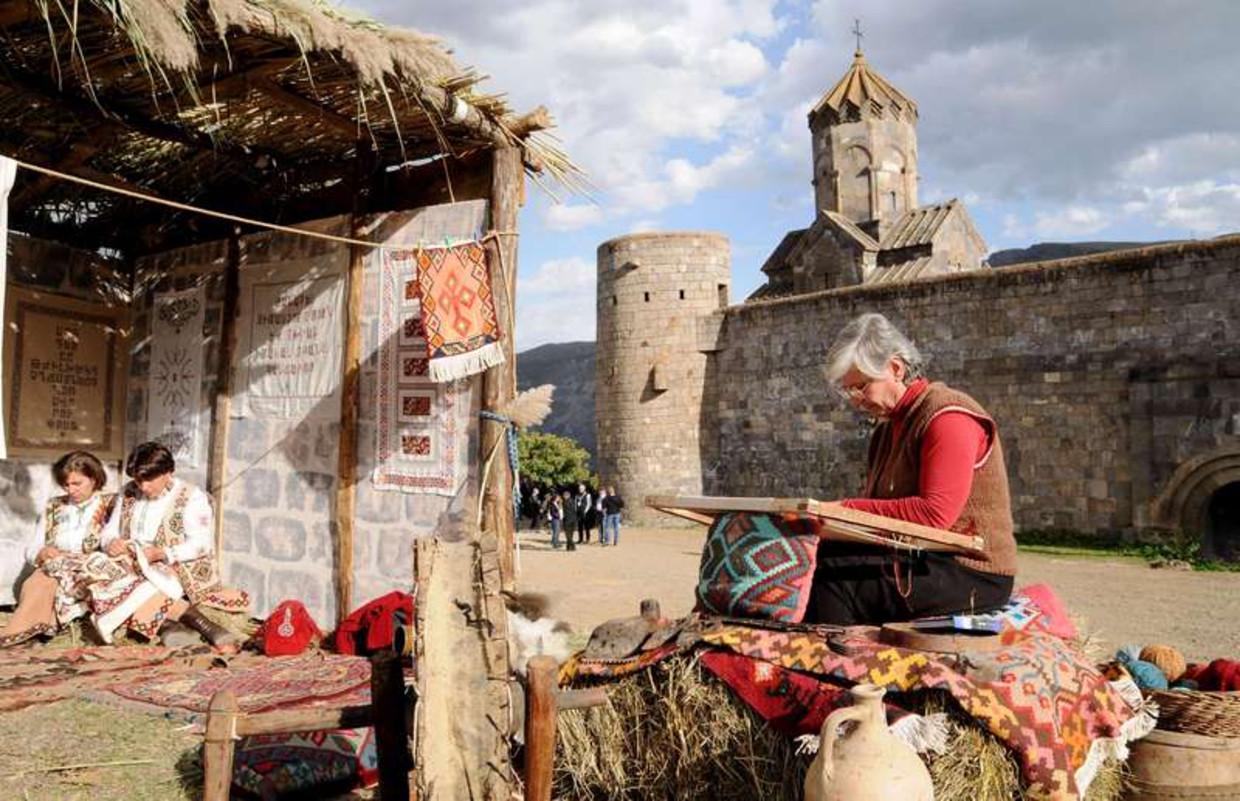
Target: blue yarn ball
{"x":1128,"y":653}
{"x":1147,"y":675}
{"x":1185,"y":685}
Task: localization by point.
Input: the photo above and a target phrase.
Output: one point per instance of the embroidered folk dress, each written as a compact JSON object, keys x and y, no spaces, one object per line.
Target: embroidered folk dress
{"x":56,"y":592}
{"x":141,"y":595}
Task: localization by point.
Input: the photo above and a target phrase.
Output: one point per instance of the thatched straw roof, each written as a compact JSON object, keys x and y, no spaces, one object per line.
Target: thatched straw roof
{"x":262,"y":108}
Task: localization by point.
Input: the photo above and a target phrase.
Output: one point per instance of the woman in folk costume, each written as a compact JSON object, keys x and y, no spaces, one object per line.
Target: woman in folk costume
{"x":67,"y":534}
{"x":935,"y":459}
{"x":161,"y":537}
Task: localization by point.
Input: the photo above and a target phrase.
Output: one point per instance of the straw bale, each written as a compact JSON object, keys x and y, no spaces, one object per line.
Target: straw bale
{"x":675,"y":732}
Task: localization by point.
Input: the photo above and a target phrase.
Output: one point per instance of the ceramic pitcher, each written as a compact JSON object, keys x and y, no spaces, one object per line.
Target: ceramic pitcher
{"x":869,"y":763}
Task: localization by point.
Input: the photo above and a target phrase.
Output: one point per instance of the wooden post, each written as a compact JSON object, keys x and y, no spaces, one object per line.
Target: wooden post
{"x":217,"y":748}
{"x":499,"y":384}
{"x":540,"y":719}
{"x":218,"y":464}
{"x":346,"y":466}
{"x":387,"y":698}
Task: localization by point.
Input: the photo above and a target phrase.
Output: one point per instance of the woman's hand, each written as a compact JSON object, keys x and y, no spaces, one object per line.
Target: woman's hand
{"x":48,"y":553}
{"x":154,"y":553}
{"x":115,"y":547}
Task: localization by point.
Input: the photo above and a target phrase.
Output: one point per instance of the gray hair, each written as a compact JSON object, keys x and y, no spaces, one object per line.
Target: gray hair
{"x":869,"y":343}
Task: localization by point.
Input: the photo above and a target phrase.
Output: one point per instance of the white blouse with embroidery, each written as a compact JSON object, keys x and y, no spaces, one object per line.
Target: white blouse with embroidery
{"x":149,"y":514}
{"x":72,"y":523}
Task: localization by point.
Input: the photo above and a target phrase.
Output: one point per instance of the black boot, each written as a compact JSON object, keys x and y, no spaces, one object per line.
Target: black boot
{"x":175,"y":634}
{"x":213,"y":632}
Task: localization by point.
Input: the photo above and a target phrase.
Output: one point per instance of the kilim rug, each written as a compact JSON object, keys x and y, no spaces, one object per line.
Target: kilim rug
{"x":1058,"y":714}
{"x":260,"y":684}
{"x":458,"y":311}
{"x":419,"y":436}
{"x":32,"y":676}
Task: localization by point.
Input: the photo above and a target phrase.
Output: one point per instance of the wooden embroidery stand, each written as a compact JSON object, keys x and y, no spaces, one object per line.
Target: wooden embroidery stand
{"x":836,"y":522}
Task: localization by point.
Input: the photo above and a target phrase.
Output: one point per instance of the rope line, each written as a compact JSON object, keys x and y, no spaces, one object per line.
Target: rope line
{"x":346,"y":240}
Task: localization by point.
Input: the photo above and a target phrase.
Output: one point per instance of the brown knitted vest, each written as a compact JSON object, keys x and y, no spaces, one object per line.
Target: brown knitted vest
{"x":895,"y":469}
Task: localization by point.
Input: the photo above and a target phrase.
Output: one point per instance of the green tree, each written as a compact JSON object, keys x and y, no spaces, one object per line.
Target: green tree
{"x":551,"y":459}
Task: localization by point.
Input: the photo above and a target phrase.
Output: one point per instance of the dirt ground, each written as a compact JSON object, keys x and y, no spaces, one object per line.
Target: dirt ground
{"x":1121,"y":600}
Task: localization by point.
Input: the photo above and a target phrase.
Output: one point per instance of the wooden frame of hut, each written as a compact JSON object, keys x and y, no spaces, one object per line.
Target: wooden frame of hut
{"x":285,"y":112}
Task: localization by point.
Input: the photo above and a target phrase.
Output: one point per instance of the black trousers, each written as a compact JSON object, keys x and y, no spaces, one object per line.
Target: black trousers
{"x":864,"y":584}
{"x":584,"y":525}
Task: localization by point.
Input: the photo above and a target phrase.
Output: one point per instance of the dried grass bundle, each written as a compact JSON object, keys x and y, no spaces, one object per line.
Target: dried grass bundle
{"x":531,"y":407}
{"x":675,"y":732}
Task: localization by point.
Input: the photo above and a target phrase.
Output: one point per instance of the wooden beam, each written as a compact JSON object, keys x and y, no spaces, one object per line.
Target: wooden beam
{"x":540,"y":722}
{"x":346,"y":466}
{"x":499,"y":383}
{"x":387,"y":695}
{"x":217,"y":747}
{"x":286,"y":721}
{"x":537,"y":120}
{"x":837,"y":522}
{"x":217,"y":466}
{"x":309,"y":109}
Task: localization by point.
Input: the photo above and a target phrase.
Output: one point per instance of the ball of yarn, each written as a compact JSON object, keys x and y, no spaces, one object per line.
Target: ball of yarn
{"x":1170,"y":661}
{"x":1128,"y":653}
{"x":1147,"y":675}
{"x":1185,"y":685}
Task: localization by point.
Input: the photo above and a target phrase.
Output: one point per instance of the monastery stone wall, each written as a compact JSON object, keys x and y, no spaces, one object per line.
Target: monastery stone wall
{"x":1115,"y":381}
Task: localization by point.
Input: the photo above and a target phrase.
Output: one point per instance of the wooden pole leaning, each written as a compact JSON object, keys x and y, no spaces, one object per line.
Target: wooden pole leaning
{"x":541,"y":710}
{"x":217,"y":747}
{"x":218,"y":464}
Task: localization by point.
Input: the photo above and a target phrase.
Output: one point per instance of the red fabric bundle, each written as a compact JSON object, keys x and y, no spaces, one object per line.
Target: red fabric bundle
{"x":1054,"y":618}
{"x":288,"y":630}
{"x":1221,"y":675}
{"x":370,"y":627}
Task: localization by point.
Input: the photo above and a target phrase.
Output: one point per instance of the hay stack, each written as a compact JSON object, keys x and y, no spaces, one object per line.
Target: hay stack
{"x":675,"y":732}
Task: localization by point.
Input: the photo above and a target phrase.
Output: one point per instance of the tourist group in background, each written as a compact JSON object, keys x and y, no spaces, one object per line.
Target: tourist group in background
{"x":571,"y":514}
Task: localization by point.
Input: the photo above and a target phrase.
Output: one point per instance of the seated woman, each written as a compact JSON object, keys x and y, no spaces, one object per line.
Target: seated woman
{"x":161,"y":539}
{"x":68,"y":532}
{"x":934,"y":459}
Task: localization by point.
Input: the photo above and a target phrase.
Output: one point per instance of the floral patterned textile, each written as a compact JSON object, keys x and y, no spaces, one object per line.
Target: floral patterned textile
{"x":756,"y":566}
{"x":274,"y":765}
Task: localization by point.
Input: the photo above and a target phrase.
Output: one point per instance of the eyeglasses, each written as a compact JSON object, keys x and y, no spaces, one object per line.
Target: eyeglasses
{"x":853,"y":392}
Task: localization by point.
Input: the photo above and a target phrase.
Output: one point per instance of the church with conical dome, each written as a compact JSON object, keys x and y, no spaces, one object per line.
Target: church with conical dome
{"x":868,"y":227}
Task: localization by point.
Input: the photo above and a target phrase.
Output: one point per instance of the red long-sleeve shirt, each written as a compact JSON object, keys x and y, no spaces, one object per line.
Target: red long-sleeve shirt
{"x":953,"y":444}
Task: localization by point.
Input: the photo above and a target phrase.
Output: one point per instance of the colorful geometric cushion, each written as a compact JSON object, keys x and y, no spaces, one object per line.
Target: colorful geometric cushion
{"x":756,"y":566}
{"x":306,"y":764}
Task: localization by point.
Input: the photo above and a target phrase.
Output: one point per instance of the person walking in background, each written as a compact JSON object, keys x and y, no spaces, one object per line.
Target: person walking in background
{"x":533,"y":506}
{"x":569,"y":507}
{"x":555,"y":518}
{"x":585,"y":513}
{"x":613,"y":505}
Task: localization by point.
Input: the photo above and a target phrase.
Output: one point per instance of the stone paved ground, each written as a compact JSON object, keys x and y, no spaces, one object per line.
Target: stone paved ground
{"x":1122,"y":599}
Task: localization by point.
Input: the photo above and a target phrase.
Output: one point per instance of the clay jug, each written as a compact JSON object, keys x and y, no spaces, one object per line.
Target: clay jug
{"x":869,"y":763}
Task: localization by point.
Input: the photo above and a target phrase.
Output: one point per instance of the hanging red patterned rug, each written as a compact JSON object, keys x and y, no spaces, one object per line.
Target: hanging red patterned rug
{"x":458,"y":311}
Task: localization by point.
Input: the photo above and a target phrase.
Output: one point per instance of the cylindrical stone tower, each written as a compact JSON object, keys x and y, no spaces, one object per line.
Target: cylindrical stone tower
{"x":657,"y":293}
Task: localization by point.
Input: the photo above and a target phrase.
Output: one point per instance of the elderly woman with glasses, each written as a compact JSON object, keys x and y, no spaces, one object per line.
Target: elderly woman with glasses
{"x":934,"y":459}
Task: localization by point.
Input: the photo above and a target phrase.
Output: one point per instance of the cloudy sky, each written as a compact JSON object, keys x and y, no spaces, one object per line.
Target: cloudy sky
{"x":1060,"y":120}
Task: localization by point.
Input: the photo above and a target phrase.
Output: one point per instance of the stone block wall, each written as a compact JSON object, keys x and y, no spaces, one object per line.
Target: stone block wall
{"x":26,"y":484}
{"x":1106,"y":374}
{"x":650,"y":374}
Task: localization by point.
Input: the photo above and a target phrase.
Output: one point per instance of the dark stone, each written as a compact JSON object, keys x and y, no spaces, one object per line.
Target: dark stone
{"x":237,"y":534}
{"x":247,"y":439}
{"x":281,"y":539}
{"x":377,"y":507}
{"x":395,"y":556}
{"x":304,"y":489}
{"x":262,"y":488}
{"x":299,"y":585}
{"x":238,"y":574}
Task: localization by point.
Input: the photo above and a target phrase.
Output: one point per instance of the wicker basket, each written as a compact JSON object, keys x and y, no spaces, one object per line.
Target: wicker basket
{"x":1194,"y":712}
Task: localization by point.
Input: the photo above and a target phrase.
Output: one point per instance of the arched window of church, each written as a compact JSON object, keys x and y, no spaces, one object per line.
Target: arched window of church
{"x":855,"y":183}
{"x":893,"y":203}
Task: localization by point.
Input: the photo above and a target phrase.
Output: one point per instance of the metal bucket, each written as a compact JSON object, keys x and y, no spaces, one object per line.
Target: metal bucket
{"x":1173,"y":766}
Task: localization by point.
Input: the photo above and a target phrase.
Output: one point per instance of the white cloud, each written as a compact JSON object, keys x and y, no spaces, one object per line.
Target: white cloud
{"x":571,"y":216}
{"x":1204,"y":208}
{"x":1073,"y":221}
{"x":573,"y":275}
{"x":555,"y":303}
